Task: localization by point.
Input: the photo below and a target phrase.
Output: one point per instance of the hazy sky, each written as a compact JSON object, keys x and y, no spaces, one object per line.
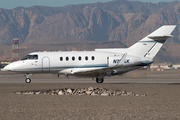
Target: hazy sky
{"x":9,"y":4}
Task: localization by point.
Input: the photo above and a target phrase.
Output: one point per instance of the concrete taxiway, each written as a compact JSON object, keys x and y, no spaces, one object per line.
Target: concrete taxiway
{"x":138,"y":76}
{"x":162,"y":100}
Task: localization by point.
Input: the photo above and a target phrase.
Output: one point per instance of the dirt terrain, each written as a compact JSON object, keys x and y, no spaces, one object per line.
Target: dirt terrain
{"x":162,"y":100}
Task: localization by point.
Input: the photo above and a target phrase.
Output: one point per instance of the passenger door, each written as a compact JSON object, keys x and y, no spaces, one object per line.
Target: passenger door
{"x":45,"y":64}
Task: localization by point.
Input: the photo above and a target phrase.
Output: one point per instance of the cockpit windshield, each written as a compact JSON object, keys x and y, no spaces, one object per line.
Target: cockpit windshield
{"x":30,"y":57}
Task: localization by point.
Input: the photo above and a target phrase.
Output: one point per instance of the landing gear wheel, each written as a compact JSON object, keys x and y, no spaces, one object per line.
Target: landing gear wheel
{"x":28,"y":80}
{"x":99,"y":80}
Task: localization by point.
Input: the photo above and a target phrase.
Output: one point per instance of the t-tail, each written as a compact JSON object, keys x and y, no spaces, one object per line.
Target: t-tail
{"x":149,"y":46}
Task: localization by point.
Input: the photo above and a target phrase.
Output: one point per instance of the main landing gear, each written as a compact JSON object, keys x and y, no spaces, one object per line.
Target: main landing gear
{"x":99,"y":80}
{"x":28,"y":79}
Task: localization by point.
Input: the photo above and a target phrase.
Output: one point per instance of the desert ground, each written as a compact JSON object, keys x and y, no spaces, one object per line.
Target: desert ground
{"x":162,"y":100}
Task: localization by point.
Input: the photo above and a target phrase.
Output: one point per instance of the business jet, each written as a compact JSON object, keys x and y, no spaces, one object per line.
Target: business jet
{"x":96,"y":64}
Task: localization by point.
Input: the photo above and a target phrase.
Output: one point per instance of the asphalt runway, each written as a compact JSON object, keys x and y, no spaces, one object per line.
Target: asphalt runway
{"x":161,"y":103}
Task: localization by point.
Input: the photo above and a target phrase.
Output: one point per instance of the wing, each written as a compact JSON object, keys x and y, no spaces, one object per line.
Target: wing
{"x":100,"y":71}
{"x":93,"y":72}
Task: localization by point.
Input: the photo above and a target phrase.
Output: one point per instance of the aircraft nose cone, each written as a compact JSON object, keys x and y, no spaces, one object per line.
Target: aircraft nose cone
{"x":8,"y":68}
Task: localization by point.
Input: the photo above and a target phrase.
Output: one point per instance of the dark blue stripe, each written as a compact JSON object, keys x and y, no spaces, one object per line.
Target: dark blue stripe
{"x":145,"y":63}
{"x":90,"y":66}
{"x":80,"y":66}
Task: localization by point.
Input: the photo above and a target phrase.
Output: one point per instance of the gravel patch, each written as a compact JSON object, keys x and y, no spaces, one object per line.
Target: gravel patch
{"x":81,"y":91}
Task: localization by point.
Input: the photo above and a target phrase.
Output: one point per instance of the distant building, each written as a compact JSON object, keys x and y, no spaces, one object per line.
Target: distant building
{"x":177,"y":66}
{"x":153,"y":66}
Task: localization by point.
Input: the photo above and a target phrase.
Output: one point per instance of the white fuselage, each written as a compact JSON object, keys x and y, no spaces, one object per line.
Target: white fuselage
{"x":70,"y":63}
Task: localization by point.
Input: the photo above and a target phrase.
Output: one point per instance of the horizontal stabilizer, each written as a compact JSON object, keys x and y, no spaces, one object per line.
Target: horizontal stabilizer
{"x":162,"y":36}
{"x":163,"y":31}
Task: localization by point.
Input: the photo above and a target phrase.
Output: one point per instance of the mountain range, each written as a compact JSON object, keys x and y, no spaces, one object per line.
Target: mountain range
{"x":99,"y":24}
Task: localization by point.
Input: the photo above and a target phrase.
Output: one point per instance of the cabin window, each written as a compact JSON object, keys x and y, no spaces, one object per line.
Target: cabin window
{"x":61,"y":58}
{"x":92,"y":58}
{"x":79,"y":58}
{"x":30,"y":57}
{"x":73,"y":58}
{"x":86,"y":58}
{"x":67,"y":58}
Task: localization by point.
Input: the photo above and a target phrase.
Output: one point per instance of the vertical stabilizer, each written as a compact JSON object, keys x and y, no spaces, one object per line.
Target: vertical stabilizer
{"x":151,"y":44}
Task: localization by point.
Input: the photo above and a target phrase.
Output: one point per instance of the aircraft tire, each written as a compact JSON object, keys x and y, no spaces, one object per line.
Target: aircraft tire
{"x":99,"y":80}
{"x":28,"y":80}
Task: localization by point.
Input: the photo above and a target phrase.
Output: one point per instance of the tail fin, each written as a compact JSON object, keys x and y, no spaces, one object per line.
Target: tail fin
{"x":151,"y":44}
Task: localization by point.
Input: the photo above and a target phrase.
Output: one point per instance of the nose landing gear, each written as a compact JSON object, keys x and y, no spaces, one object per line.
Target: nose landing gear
{"x":28,"y":79}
